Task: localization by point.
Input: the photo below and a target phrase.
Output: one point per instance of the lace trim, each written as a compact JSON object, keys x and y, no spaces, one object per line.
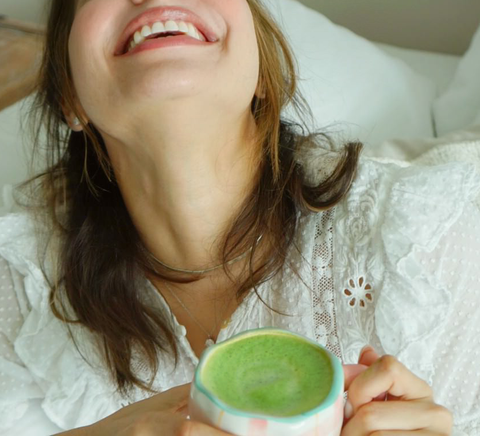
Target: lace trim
{"x":358,"y":269}
{"x":324,"y":313}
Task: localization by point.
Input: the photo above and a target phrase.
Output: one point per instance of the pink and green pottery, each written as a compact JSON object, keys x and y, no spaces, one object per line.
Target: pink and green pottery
{"x":269,"y":382}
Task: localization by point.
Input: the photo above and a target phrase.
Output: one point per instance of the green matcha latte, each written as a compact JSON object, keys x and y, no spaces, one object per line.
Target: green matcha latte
{"x":274,"y":373}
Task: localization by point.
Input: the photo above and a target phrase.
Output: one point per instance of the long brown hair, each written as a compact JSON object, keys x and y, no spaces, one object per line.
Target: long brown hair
{"x":101,"y":258}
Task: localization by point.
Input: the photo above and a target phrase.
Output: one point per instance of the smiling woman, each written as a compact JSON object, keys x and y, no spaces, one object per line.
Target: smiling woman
{"x":180,"y":208}
{"x":188,"y":151}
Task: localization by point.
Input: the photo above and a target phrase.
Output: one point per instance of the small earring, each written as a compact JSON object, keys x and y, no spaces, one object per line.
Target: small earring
{"x":261,"y":94}
{"x":76,"y":121}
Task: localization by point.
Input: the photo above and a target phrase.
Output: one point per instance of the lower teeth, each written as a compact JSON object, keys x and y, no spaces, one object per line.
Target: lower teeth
{"x":167,"y":36}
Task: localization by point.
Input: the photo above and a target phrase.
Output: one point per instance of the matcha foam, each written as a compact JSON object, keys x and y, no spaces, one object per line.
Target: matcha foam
{"x":271,"y":374}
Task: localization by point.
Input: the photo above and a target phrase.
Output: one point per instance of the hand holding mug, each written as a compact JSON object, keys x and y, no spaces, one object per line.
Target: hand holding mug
{"x":163,"y":414}
{"x":409,"y":409}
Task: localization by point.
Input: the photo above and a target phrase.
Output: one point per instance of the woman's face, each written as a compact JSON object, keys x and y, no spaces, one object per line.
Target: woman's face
{"x":116,"y":91}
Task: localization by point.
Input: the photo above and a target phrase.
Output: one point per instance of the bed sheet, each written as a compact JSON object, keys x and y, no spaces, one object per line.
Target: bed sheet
{"x":438,"y":67}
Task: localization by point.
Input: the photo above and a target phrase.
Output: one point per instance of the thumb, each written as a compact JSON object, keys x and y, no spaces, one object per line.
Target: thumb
{"x":368,"y":356}
{"x":351,"y":372}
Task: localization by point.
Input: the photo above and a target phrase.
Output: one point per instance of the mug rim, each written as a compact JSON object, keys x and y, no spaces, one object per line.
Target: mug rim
{"x":335,"y":389}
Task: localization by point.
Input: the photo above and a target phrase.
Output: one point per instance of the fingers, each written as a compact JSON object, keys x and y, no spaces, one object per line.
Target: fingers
{"x":399,"y":415}
{"x":368,"y":356}
{"x":351,"y":372}
{"x":387,"y":374}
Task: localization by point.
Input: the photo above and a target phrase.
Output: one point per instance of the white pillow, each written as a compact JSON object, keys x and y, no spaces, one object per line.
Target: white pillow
{"x":459,"y":106}
{"x":16,"y":151}
{"x":13,"y":162}
{"x":347,"y":78}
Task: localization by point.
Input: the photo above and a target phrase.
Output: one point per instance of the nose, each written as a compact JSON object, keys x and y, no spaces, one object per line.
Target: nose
{"x":138,"y":2}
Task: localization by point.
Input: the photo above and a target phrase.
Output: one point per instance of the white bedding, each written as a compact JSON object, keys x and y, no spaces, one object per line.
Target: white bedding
{"x":459,"y":106}
{"x":438,"y":67}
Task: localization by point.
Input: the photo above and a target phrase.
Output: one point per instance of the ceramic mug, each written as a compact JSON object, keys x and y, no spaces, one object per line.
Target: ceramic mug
{"x":324,"y":419}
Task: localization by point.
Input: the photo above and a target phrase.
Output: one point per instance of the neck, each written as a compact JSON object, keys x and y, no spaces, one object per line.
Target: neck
{"x":184,"y":184}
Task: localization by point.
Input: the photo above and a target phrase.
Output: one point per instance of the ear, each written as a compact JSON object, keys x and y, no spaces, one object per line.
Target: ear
{"x":74,"y":121}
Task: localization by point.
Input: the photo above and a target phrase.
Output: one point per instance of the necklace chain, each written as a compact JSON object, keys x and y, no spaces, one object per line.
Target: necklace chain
{"x":188,"y":271}
{"x":209,"y":335}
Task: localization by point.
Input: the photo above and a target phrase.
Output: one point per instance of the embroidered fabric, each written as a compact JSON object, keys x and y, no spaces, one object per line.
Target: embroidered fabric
{"x":456,"y":350}
{"x":464,"y":151}
{"x":323,"y":299}
{"x":405,"y":277}
{"x":392,"y":265}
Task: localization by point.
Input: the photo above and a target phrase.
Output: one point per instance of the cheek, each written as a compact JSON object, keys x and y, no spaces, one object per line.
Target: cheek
{"x":86,"y":44}
{"x":252,"y":52}
{"x":242,"y":37}
{"x":80,"y":35}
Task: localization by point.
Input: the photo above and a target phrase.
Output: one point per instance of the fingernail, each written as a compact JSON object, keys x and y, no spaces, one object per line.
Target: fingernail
{"x":348,"y":410}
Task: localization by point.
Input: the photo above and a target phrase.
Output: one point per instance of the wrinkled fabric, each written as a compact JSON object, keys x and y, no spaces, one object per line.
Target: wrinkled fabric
{"x":395,"y":264}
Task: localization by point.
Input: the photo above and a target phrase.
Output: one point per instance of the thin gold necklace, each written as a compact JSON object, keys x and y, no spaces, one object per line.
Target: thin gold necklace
{"x":189,"y":271}
{"x":209,"y":340}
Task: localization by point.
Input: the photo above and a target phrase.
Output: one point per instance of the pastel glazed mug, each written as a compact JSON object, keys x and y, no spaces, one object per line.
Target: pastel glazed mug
{"x":269,"y":382}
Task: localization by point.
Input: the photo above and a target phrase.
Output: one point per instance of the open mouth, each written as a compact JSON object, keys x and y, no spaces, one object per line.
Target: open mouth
{"x":164,"y":22}
{"x":163,"y":30}
{"x":132,"y":44}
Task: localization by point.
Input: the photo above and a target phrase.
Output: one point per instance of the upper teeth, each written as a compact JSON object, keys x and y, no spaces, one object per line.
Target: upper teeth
{"x":169,"y":26}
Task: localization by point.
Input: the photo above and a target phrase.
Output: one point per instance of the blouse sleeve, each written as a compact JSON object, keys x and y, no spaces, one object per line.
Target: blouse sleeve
{"x":61,"y":382}
{"x":455,"y":265}
{"x":410,"y":235}
{"x":17,"y":385}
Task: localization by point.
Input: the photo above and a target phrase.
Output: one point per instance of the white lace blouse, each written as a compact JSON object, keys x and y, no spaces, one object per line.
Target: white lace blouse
{"x":396,"y":264}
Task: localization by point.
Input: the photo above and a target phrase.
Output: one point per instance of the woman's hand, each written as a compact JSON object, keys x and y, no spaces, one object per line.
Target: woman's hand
{"x":163,"y":414}
{"x":410,"y":408}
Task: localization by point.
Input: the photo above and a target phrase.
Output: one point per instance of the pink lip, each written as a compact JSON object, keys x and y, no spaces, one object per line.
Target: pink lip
{"x":162,"y":13}
{"x":173,"y":41}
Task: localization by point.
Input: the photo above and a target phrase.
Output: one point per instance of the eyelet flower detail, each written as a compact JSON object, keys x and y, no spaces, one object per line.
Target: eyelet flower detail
{"x":360,"y":293}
